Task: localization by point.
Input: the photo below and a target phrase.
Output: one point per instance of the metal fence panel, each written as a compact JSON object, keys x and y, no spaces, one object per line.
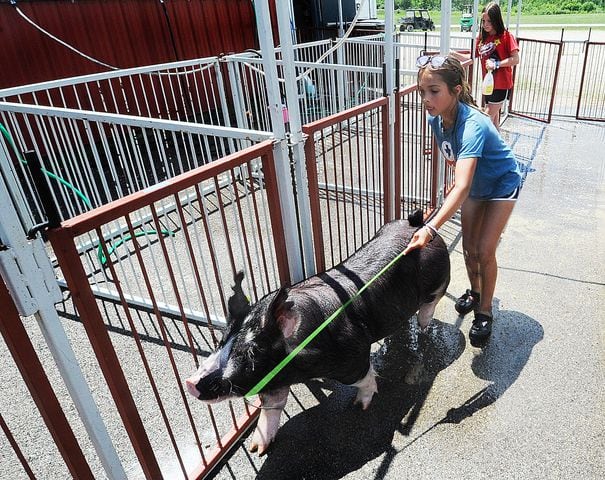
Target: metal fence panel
{"x":591,"y":99}
{"x":26,"y":359}
{"x":348,"y":169}
{"x":535,"y":79}
{"x":224,"y":221}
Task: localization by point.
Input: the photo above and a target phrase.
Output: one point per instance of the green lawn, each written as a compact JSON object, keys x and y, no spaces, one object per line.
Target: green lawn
{"x":585,"y":18}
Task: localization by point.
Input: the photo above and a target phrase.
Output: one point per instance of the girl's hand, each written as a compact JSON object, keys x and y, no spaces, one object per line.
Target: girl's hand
{"x":491,"y":64}
{"x":419,"y":240}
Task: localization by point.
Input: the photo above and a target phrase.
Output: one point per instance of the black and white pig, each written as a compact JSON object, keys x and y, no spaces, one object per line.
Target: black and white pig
{"x":259,"y":336}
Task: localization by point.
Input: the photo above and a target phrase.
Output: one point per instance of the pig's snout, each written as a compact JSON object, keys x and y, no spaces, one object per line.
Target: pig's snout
{"x":209,"y":387}
{"x":208,"y":383}
{"x":191,"y":383}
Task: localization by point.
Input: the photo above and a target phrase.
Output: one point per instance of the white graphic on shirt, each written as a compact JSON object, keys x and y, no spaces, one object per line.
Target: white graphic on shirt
{"x":448,"y":152}
{"x":486,"y":49}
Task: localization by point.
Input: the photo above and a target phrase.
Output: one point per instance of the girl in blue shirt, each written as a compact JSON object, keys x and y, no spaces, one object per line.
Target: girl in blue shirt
{"x":486,"y":182}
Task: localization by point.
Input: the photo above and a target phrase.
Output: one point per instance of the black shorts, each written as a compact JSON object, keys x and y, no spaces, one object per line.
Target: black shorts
{"x":497,"y":96}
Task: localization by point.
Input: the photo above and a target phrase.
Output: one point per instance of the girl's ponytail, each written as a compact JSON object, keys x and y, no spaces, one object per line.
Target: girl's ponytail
{"x":466,"y":96}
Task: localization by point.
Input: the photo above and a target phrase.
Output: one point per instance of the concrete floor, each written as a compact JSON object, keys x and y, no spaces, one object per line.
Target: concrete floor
{"x":531,"y":404}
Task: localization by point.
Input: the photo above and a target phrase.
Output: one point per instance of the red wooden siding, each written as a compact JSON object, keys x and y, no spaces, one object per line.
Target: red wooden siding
{"x":121,"y":33}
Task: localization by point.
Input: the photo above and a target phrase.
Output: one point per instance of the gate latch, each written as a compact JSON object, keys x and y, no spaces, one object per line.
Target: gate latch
{"x":28,"y":274}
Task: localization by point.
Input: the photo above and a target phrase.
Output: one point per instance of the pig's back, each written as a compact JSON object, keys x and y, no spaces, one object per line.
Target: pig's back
{"x":398,"y":293}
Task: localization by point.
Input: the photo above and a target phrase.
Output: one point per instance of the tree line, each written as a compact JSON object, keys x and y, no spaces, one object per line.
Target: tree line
{"x":530,"y":7}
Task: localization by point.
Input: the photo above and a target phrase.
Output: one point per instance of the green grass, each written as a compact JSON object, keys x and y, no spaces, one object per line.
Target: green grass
{"x":584,"y":18}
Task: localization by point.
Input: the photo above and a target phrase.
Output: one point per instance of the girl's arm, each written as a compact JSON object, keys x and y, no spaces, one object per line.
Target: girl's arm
{"x":507,"y":62}
{"x":463,"y":178}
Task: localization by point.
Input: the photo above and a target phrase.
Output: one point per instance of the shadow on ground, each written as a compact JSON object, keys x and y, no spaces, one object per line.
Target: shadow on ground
{"x":501,"y":361}
{"x":335,"y":438}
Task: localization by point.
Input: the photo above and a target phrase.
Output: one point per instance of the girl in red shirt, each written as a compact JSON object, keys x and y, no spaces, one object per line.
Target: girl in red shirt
{"x":498,"y":50}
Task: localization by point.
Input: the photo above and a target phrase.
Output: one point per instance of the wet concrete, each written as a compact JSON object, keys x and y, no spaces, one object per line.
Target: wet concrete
{"x":531,"y":404}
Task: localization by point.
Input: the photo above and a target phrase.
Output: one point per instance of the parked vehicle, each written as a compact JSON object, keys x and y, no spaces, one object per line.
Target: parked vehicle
{"x":467,"y":19}
{"x":416,"y":19}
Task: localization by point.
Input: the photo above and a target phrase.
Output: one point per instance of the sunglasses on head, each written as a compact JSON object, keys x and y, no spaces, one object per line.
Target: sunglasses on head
{"x":435,"y":61}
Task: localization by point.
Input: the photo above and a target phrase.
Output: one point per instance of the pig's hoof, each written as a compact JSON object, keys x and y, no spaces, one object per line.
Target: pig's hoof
{"x":366,"y":388}
{"x":364,"y":398}
{"x":259,"y":444}
{"x":261,"y":448}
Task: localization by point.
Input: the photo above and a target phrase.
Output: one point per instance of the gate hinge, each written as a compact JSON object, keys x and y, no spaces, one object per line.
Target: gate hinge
{"x":28,"y":273}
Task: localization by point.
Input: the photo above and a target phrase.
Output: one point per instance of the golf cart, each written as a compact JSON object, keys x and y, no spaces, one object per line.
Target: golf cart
{"x":416,"y":19}
{"x":466,"y":20}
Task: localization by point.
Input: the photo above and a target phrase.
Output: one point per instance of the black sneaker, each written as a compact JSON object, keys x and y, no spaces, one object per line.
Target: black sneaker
{"x":481,"y":330}
{"x":467,"y":302}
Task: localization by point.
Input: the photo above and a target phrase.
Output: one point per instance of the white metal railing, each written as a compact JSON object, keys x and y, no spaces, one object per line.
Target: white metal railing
{"x":318,"y":91}
{"x":106,"y":155}
{"x":187,"y":91}
{"x":92,"y":158}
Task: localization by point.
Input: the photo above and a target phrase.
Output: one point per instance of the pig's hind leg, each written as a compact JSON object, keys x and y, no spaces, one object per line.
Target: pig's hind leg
{"x":272,"y":405}
{"x":427,"y":310}
{"x":366,"y":388}
{"x":425,"y":315}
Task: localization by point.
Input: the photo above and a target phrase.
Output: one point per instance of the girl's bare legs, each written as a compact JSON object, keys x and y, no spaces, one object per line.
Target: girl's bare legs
{"x":482,"y":224}
{"x":493,"y":110}
{"x":472,"y":218}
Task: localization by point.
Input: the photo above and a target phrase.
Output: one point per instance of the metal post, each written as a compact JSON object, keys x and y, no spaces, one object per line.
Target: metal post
{"x":236,"y":96}
{"x":519,"y":6}
{"x":389,"y":61}
{"x":510,"y":7}
{"x":340,"y":78}
{"x":446,"y":25}
{"x":35,"y":292}
{"x":280,"y":152}
{"x":296,"y":136}
{"x":475,"y":30}
{"x":341,"y":30}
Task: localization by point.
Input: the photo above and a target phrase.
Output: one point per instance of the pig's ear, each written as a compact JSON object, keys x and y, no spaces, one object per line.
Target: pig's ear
{"x":280,"y":311}
{"x":238,"y":303}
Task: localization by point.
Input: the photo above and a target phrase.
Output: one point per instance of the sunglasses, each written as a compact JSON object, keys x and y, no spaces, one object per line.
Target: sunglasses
{"x":435,"y":61}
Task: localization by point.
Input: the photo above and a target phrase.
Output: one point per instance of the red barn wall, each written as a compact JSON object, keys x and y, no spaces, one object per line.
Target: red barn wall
{"x":121,"y":33}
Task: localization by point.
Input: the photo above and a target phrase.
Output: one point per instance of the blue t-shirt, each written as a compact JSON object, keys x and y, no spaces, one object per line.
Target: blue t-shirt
{"x":475,"y":136}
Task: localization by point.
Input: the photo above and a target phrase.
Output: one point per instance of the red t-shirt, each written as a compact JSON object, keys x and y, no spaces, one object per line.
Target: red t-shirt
{"x":498,"y":47}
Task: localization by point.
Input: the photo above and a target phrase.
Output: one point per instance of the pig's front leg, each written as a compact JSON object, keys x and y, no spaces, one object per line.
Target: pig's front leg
{"x":272,"y":404}
{"x":367,"y":387}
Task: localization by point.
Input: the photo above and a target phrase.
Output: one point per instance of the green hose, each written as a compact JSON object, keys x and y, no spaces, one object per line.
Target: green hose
{"x":111,"y":249}
{"x":62,"y":181}
{"x":100,"y":255}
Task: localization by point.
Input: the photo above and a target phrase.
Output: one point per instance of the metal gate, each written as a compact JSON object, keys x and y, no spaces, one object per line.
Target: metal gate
{"x":348,"y":170}
{"x":171,"y":433}
{"x":535,"y":79}
{"x":591,"y":99}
